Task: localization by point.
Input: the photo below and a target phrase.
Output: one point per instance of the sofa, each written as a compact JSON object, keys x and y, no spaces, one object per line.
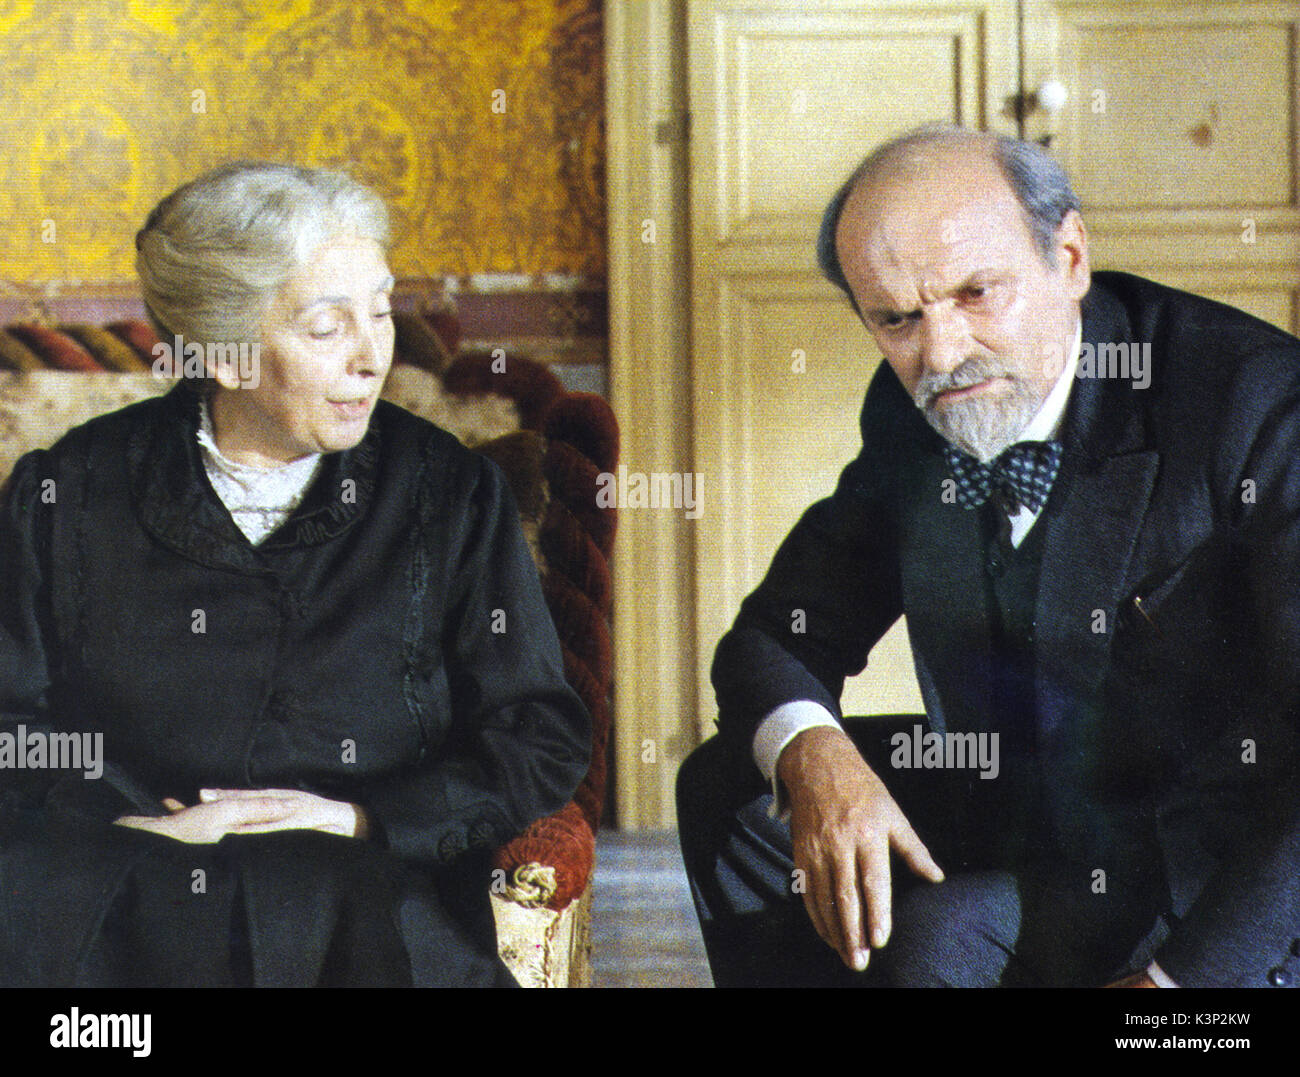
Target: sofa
{"x":551,"y":443}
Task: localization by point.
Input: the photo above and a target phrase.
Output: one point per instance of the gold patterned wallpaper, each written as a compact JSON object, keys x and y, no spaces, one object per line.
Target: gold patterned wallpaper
{"x":481,"y":121}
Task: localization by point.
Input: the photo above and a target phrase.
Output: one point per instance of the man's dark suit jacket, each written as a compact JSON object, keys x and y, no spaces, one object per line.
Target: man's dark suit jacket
{"x":1171,"y":725}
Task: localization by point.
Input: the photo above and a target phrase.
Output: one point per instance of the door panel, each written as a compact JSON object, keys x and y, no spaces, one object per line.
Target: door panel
{"x":784,"y":102}
{"x":800,"y":96}
{"x":799,"y":362}
{"x":1179,"y":134}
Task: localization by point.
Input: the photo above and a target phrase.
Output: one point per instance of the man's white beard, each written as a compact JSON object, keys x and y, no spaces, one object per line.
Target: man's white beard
{"x":981,"y":427}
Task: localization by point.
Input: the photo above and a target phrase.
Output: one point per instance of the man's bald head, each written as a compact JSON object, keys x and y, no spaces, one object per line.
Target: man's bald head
{"x":1037,"y":182}
{"x":967,"y":261}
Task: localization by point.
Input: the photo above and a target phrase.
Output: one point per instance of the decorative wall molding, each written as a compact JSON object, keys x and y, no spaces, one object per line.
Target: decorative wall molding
{"x":656,"y":714}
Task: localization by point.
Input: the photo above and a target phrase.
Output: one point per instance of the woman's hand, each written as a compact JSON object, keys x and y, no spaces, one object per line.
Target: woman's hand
{"x":251,"y":811}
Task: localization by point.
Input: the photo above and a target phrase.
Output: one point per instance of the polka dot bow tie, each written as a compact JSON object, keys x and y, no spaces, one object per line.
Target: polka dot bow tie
{"x":1024,"y":473}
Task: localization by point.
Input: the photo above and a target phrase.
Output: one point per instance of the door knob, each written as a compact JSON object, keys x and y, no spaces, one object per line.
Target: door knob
{"x":1052,"y":96}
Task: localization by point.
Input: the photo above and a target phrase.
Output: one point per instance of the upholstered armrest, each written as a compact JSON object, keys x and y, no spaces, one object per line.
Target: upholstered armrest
{"x":550,"y":863}
{"x":576,"y":439}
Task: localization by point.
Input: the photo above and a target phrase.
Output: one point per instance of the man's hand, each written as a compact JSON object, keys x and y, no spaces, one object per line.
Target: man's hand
{"x":250,"y":811}
{"x":843,"y":823}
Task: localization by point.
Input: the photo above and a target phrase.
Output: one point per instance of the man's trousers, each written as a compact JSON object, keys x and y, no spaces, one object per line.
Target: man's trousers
{"x":996,"y":920}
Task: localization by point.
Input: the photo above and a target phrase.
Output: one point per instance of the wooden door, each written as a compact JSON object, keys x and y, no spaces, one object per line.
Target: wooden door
{"x":785,"y":99}
{"x":1179,"y":133}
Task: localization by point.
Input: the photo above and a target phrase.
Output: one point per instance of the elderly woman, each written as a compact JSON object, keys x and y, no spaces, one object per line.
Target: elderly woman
{"x":303,"y":622}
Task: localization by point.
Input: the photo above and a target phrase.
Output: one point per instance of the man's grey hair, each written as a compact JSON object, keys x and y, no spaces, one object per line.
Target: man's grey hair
{"x":1039,"y":184}
{"x":213,"y":253}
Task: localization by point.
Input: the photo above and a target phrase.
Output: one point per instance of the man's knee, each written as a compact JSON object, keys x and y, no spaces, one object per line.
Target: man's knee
{"x":958,"y":933}
{"x":737,"y":856}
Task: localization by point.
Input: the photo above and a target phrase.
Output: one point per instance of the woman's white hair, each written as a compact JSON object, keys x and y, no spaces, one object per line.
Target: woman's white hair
{"x":214,"y":252}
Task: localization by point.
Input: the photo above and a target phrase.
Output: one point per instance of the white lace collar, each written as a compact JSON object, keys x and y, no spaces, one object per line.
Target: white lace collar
{"x":259,"y":499}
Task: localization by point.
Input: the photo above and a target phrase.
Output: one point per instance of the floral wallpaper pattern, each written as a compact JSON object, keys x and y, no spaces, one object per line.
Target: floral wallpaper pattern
{"x":481,"y":121}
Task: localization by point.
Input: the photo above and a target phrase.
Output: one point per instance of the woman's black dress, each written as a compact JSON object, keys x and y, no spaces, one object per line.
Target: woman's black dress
{"x":388,"y":646}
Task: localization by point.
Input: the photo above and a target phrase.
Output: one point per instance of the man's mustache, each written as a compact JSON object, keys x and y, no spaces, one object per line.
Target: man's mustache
{"x":971,"y":372}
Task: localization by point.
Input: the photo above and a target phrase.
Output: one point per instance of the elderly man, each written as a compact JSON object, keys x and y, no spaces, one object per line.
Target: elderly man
{"x":1084,"y":493}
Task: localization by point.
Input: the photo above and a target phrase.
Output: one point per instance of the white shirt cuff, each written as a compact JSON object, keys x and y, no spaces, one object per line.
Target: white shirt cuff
{"x":777,"y":730}
{"x":1158,"y":974}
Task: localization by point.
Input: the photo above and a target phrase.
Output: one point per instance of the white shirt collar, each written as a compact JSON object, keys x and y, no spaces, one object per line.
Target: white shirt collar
{"x":1045,"y":426}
